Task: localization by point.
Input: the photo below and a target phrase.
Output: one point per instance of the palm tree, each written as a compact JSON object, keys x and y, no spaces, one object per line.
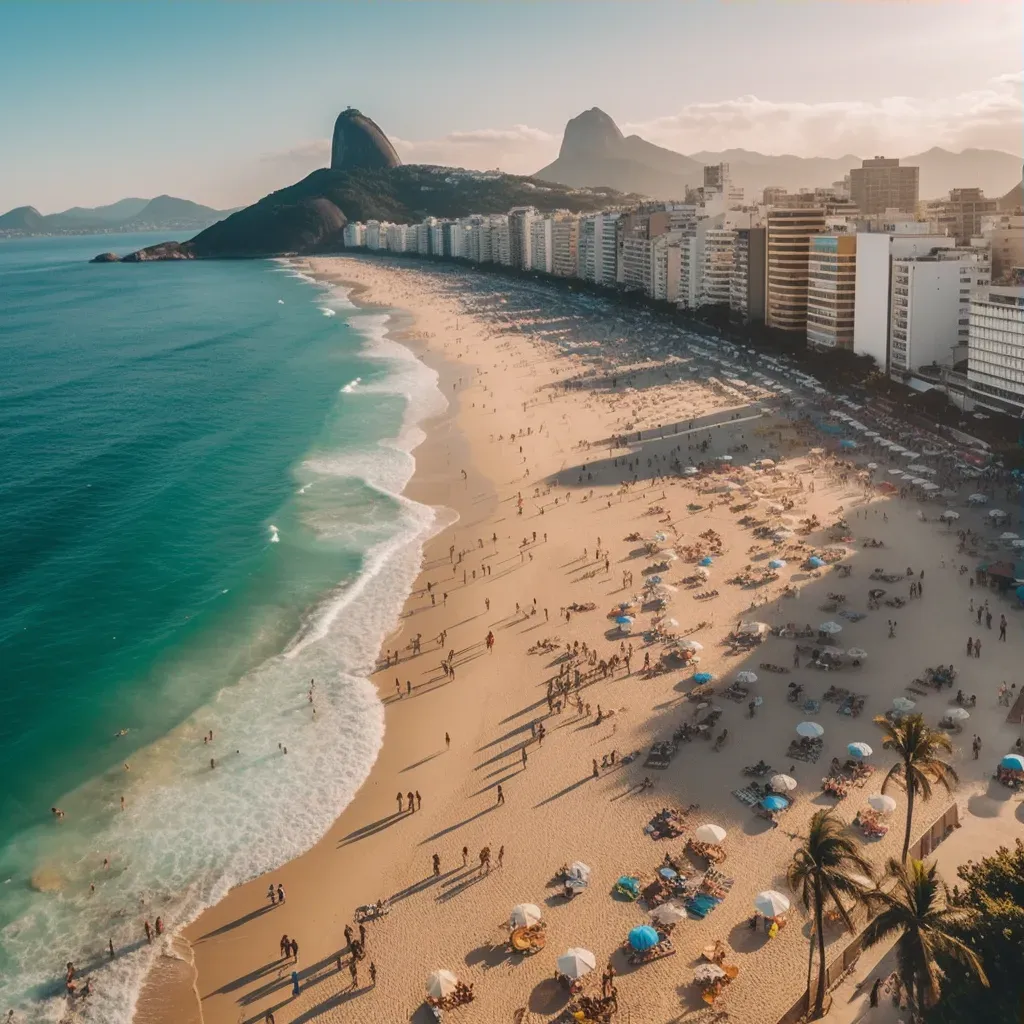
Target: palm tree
{"x":920,"y":764}
{"x":821,"y":871}
{"x":917,"y":908}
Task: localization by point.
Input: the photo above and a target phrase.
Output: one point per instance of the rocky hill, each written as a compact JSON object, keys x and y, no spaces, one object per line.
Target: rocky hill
{"x":164,"y":213}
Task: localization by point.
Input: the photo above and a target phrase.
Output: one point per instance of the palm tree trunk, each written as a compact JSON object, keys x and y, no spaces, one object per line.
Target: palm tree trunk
{"x":819,"y":925}
{"x":910,"y":820}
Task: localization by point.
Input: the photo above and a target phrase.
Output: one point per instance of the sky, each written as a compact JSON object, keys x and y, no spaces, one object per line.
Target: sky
{"x":223,"y":102}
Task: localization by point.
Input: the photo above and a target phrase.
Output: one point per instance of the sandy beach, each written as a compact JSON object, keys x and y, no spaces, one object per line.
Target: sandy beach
{"x":569,"y":427}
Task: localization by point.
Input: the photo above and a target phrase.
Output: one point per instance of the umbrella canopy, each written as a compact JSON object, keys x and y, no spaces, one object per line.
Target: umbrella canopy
{"x":441,"y":984}
{"x":753,"y":628}
{"x":653,"y":579}
{"x":524,"y":915}
{"x":702,"y":677}
{"x":577,"y":869}
{"x":575,"y":963}
{"x":702,"y":572}
{"x":1009,"y":535}
{"x":882,"y":802}
{"x":782,"y":783}
{"x":777,"y":563}
{"x":830,"y":627}
{"x":668,"y":913}
{"x":709,"y":833}
{"x":997,"y":513}
{"x":643,"y":937}
{"x":816,"y":562}
{"x":903,"y":704}
{"x":725,"y":458}
{"x":690,"y":645}
{"x":690,"y":471}
{"x":671,"y":623}
{"x":958,"y":714}
{"x":706,"y":561}
{"x":774,"y":802}
{"x":660,"y":537}
{"x":978,"y":499}
{"x":708,"y":972}
{"x":746,"y":677}
{"x":1014,"y":762}
{"x":624,"y":620}
{"x":629,"y":883}
{"x":771,"y":903}
{"x":857,"y":652}
{"x":810,"y":729}
{"x":950,"y":514}
{"x":859,"y":750}
{"x":847,"y":444}
{"x":872,"y":465}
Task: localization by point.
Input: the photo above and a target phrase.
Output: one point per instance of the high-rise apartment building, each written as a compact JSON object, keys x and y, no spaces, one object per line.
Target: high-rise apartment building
{"x":597,"y":255}
{"x":541,"y":244}
{"x":831,"y":282}
{"x":716,"y":273}
{"x":881,"y":184}
{"x":960,"y":215}
{"x":519,"y":220}
{"x":1004,"y":233}
{"x":565,"y":230}
{"x":354,"y":235}
{"x":747,"y":284}
{"x":716,"y":176}
{"x":929,"y":307}
{"x":789,"y":242}
{"x":995,"y":360}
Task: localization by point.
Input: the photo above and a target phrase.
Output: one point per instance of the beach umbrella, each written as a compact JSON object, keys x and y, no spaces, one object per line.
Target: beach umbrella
{"x":709,"y":833}
{"x":653,"y":579}
{"x":624,"y":620}
{"x":771,"y":903}
{"x":1009,"y":535}
{"x":690,"y":471}
{"x":753,"y":628}
{"x":441,"y":984}
{"x":996,"y":513}
{"x":978,"y":499}
{"x":1017,"y":544}
{"x":926,"y":469}
{"x":577,"y":869}
{"x":832,"y":652}
{"x":575,"y":963}
{"x":668,"y":873}
{"x":910,"y":455}
{"x":830,"y":627}
{"x":703,"y":573}
{"x":812,"y":729}
{"x":1014,"y":762}
{"x":895,"y":472}
{"x":872,"y":465}
{"x":903,"y":704}
{"x":857,"y":652}
{"x":746,"y":676}
{"x":524,"y":915}
{"x":669,"y":913}
{"x":706,"y":973}
{"x":782,"y":783}
{"x":690,"y":645}
{"x":882,"y":802}
{"x":725,"y":458}
{"x":815,"y":561}
{"x":671,"y":623}
{"x":929,"y":486}
{"x":958,"y":714}
{"x":871,"y":433}
{"x":629,"y":883}
{"x":643,"y":937}
{"x":702,"y":677}
{"x":950,"y":514}
{"x":706,"y":561}
{"x":859,"y":750}
{"x":660,"y":537}
{"x":777,"y":563}
{"x":774,"y":802}
{"x":847,"y":444}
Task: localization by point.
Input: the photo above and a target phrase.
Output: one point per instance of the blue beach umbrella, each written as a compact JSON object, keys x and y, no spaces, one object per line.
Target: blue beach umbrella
{"x":668,"y":873}
{"x":1014,"y":762}
{"x":859,"y":750}
{"x":816,"y":561}
{"x":703,"y":677}
{"x":654,"y":579}
{"x":777,"y":563}
{"x":624,"y":620}
{"x":643,"y":937}
{"x":772,"y":802}
{"x":707,"y":560}
{"x":629,"y":884}
{"x":847,"y":444}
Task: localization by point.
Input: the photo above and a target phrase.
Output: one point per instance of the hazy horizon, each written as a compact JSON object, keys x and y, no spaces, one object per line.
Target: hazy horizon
{"x":222,"y":103}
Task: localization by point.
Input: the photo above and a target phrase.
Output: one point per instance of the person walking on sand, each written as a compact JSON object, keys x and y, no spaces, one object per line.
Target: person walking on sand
{"x":410,"y":802}
{"x":353,"y":969}
{"x":348,"y":933}
{"x":523,"y":753}
{"x":285,"y":945}
{"x":295,"y":950}
{"x":280,"y":893}
{"x":596,"y":772}
{"x":501,"y":855}
{"x":419,"y":800}
{"x":362,"y":934}
{"x":373,"y":974}
{"x":295,"y":983}
{"x":501,"y":795}
{"x":465,"y":855}
{"x":437,"y":865}
{"x":977,"y":648}
{"x":1002,"y":628}
{"x":447,"y":742}
{"x":399,"y":798}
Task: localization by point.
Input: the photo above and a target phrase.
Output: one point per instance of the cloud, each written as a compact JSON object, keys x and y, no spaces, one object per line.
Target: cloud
{"x":518,"y":150}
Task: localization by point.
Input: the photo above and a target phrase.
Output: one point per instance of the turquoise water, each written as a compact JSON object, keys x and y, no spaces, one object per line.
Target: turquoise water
{"x":201,"y":469}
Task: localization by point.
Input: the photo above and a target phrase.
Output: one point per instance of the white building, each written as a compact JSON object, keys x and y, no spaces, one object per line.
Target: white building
{"x":597,"y":255}
{"x":930,"y":307}
{"x":436,"y":237}
{"x":875,"y":253}
{"x":376,"y":234}
{"x":541,"y":244}
{"x":501,"y":241}
{"x":1004,"y":232}
{"x":565,"y":234}
{"x":637,"y":265}
{"x":995,"y":368}
{"x":354,"y":235}
{"x":717,"y":259}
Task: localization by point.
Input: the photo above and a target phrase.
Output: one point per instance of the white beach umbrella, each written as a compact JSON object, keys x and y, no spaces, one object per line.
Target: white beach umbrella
{"x":1017,"y":544}
{"x":860,"y":749}
{"x":524,"y":915}
{"x":669,"y":913}
{"x":1009,"y":535}
{"x":996,"y":513}
{"x":930,"y":470}
{"x":857,"y":652}
{"x":903,"y":704}
{"x":929,"y":486}
{"x":771,"y":903}
{"x":830,"y":627}
{"x":690,"y":471}
{"x":690,"y":645}
{"x":895,"y":472}
{"x":670,"y":623}
{"x":575,"y":963}
{"x":753,"y":628}
{"x":910,"y":455}
{"x":958,"y":714}
{"x":811,"y":729}
{"x":782,"y":783}
{"x":708,"y":972}
{"x":441,"y":984}
{"x":725,"y":458}
{"x":882,"y":802}
{"x":872,"y":465}
{"x":950,"y":515}
{"x":978,"y":499}
{"x":577,"y":869}
{"x":710,"y":833}
{"x":746,"y":677}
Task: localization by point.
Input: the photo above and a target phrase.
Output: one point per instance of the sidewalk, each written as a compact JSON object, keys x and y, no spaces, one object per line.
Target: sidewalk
{"x":986,"y":824}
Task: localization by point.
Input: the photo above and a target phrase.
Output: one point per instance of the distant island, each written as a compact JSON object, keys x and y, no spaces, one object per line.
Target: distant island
{"x":367,"y":181}
{"x":164,"y":213}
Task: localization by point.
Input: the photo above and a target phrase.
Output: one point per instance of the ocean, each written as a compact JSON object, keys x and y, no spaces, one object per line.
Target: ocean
{"x":201,"y":511}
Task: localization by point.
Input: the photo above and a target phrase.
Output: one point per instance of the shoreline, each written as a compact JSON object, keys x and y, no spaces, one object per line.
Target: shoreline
{"x":451,"y":920}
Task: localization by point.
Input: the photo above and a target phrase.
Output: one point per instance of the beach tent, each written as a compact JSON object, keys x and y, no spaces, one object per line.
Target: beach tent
{"x":575,"y":963}
{"x":771,"y":903}
{"x":441,"y":984}
{"x":950,"y":515}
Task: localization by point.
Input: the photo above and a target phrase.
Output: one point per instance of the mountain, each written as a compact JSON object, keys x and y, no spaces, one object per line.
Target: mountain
{"x":25,"y":220}
{"x":309,"y":216}
{"x":164,"y":213}
{"x":595,"y":153}
{"x":358,"y":142}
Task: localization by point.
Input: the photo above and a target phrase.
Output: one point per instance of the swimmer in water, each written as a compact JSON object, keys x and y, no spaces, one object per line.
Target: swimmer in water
{"x":57,"y":813}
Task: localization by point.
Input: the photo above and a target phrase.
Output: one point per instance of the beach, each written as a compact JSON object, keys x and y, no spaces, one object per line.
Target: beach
{"x":569,"y":424}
